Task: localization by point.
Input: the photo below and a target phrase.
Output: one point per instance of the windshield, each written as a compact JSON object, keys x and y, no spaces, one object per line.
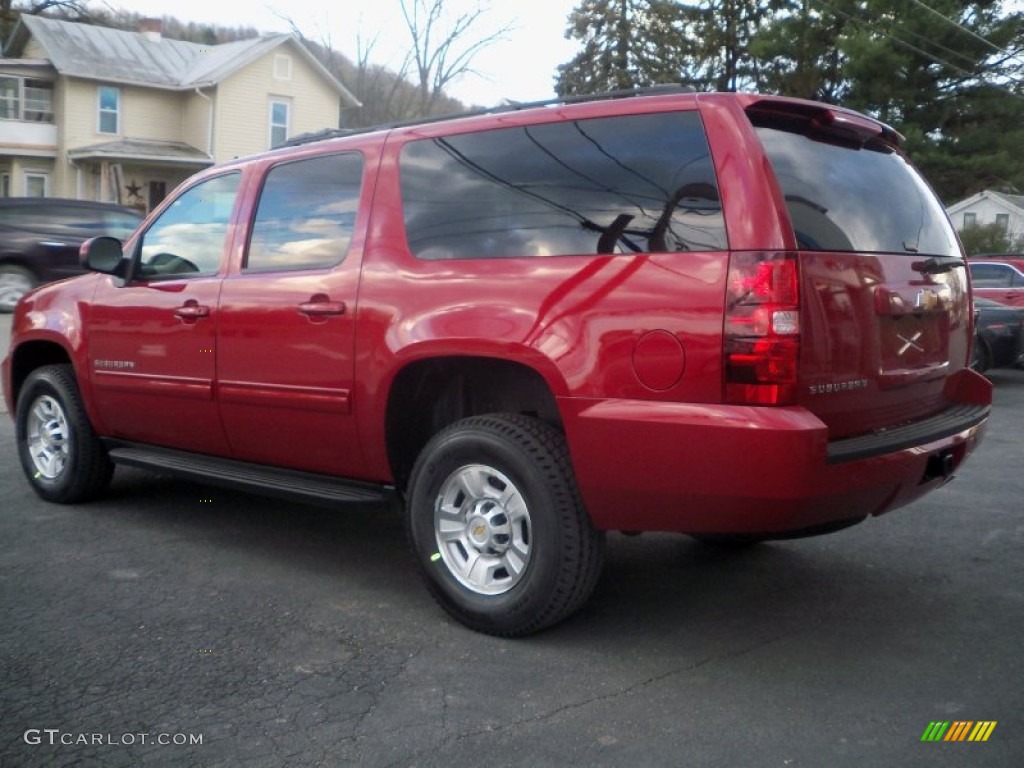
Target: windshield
{"x":848,"y":199}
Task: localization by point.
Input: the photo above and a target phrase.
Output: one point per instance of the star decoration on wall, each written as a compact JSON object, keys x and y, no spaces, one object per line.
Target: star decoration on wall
{"x":134,"y":190}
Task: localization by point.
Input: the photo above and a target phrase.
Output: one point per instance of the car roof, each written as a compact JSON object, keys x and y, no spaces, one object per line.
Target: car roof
{"x":64,"y":202}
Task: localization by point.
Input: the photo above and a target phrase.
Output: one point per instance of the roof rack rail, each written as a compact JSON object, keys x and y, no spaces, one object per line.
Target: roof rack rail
{"x":509,"y":106}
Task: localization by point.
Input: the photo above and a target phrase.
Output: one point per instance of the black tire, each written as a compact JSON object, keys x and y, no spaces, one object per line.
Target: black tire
{"x":59,"y":451}
{"x":525,"y":514}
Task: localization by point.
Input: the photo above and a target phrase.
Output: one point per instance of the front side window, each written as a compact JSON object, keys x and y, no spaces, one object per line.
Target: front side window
{"x":630,"y":184}
{"x":109,"y":109}
{"x":306,"y":214}
{"x":970,"y":220}
{"x":1003,"y":221}
{"x":188,"y":238}
{"x":279,"y":112}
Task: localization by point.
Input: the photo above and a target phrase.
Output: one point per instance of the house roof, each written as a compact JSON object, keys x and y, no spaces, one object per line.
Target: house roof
{"x":133,"y":58}
{"x":144,"y":150}
{"x":1013,"y":203}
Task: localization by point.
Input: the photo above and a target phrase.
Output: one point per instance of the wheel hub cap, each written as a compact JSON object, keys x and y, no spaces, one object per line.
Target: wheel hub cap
{"x":482,"y":527}
{"x":47,"y":437}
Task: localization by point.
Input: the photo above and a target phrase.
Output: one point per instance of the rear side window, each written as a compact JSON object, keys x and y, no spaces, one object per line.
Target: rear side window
{"x":306,"y":214}
{"x":638,"y":183}
{"x":864,"y":200}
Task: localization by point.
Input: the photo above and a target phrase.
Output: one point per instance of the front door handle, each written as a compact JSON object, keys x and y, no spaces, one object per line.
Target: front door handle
{"x":192,"y":310}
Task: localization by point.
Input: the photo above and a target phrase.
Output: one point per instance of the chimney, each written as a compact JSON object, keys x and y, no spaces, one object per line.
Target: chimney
{"x":152,"y":29}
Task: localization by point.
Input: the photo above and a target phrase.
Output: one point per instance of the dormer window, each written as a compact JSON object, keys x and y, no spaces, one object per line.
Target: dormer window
{"x":109,"y":109}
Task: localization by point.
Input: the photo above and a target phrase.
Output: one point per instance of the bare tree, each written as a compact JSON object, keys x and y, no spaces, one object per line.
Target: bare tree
{"x":442,"y":50}
{"x":11,"y":10}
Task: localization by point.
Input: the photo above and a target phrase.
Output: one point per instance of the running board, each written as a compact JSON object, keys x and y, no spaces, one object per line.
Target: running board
{"x":291,"y":484}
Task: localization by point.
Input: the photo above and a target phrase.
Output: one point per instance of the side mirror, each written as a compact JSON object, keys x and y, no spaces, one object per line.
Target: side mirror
{"x":103,"y":254}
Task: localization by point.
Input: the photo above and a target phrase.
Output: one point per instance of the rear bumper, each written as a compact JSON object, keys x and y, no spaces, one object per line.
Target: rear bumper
{"x":650,"y":466}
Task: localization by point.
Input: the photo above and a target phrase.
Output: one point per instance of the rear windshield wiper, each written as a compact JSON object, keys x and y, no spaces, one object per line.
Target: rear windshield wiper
{"x":938,"y":264}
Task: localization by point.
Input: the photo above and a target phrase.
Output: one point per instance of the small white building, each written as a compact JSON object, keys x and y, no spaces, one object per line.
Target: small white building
{"x":990,"y":207}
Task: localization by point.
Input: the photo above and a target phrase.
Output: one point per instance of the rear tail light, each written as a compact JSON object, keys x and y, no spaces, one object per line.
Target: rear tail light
{"x":762,"y":328}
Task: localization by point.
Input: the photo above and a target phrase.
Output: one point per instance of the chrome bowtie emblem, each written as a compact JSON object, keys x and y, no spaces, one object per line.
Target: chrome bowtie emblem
{"x":908,"y":343}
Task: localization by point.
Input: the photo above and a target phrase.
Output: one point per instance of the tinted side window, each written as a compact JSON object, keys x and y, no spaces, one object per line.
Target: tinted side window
{"x":188,"y":238}
{"x":306,"y":213}
{"x":991,"y":276}
{"x":847,"y":199}
{"x":637,"y":183}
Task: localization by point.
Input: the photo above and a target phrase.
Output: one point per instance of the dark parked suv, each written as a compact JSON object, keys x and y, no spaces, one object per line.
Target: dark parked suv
{"x":40,"y":238}
{"x":732,"y":316}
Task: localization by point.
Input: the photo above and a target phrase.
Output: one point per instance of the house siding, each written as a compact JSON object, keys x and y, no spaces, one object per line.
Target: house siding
{"x":196,"y":119}
{"x":34,"y":50}
{"x":145,"y":114}
{"x":314,"y":105}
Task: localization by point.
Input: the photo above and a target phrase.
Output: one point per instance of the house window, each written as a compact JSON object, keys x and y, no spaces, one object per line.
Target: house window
{"x":10,"y":104}
{"x":110,"y":109}
{"x":5,"y":184}
{"x":280,"y":112}
{"x":1003,"y":221}
{"x":36,"y":184}
{"x":970,"y":220}
{"x":39,"y":101}
{"x":282,"y":67}
{"x":26,"y":99}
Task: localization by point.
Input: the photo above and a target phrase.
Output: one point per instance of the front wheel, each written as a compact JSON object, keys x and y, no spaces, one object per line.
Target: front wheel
{"x":497,"y":525}
{"x":60,"y":454}
{"x":15,"y":282}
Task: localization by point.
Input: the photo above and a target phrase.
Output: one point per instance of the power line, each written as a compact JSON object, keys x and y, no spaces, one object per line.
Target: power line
{"x":969,"y":31}
{"x":932,"y":57}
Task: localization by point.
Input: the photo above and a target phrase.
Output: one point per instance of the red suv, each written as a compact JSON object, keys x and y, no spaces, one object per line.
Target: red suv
{"x":732,"y":316}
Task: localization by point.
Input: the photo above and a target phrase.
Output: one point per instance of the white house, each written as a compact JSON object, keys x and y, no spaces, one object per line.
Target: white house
{"x":990,"y":207}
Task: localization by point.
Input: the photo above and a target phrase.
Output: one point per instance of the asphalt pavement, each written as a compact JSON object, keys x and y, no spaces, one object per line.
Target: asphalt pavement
{"x":178,"y":624}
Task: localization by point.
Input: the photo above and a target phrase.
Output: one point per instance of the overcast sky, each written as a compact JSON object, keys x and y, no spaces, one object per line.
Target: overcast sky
{"x":520,"y":68}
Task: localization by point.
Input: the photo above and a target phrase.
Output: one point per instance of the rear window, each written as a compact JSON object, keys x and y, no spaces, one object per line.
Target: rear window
{"x":637,"y":183}
{"x":864,"y":200}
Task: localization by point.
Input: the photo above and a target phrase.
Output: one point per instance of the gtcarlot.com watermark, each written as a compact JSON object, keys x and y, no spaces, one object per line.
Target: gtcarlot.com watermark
{"x":55,"y":737}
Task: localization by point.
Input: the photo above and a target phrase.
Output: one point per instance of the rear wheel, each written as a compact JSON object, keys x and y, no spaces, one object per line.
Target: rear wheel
{"x":497,"y":525}
{"x":15,"y":282}
{"x":60,"y":454}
